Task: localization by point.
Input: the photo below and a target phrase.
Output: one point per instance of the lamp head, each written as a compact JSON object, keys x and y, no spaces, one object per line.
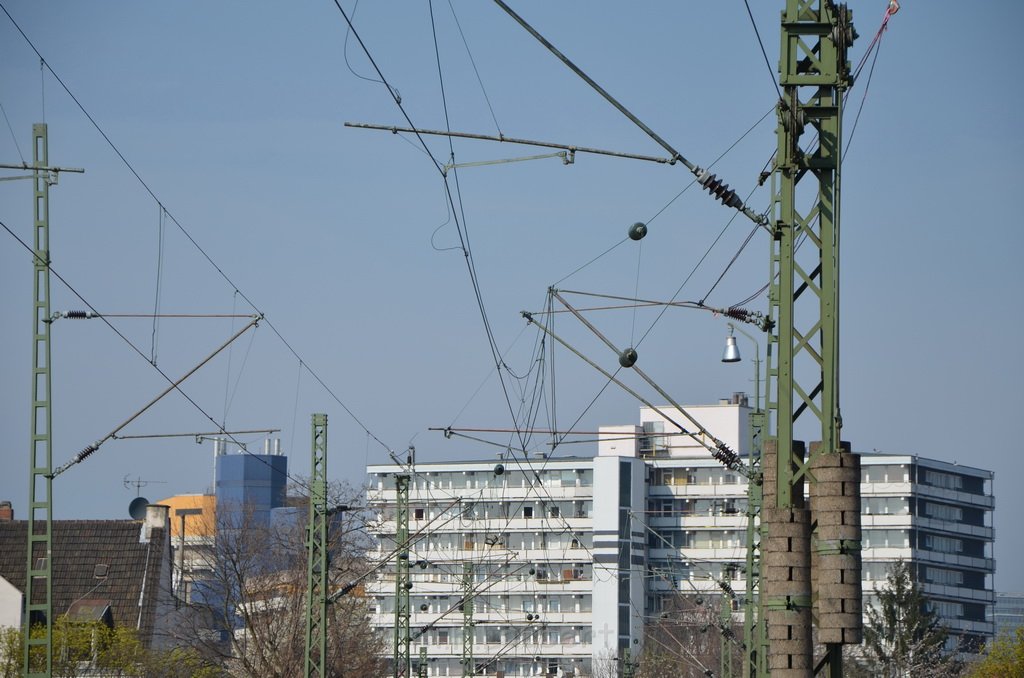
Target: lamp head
{"x":732,"y":351}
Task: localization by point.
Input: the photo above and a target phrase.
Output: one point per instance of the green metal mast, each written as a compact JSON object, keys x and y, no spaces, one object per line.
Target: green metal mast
{"x":38,"y":656}
{"x":316,"y":570}
{"x":422,"y":669}
{"x":803,"y":351}
{"x":725,"y":639}
{"x":468,"y":666}
{"x":402,"y":581}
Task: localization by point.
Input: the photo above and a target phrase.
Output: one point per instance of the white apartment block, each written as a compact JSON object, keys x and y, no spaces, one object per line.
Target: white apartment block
{"x":570,"y":556}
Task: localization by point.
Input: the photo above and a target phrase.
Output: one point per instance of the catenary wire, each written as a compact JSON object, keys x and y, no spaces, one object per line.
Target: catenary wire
{"x":141,"y":354}
{"x":767,"y":63}
{"x":191,"y":239}
{"x":476,"y":70}
{"x":157,"y":287}
{"x":13,"y":135}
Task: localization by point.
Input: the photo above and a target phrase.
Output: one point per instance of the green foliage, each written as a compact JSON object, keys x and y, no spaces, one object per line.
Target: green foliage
{"x":1004,"y":658}
{"x":10,"y":652}
{"x":85,"y":648}
{"x":903,"y":636}
{"x":181,"y":662}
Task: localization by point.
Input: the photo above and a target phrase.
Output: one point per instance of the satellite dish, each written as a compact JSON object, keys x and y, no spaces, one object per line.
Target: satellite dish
{"x":137,"y":509}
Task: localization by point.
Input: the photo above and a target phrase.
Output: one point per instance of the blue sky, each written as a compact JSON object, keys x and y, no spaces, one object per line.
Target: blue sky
{"x":233,"y":114}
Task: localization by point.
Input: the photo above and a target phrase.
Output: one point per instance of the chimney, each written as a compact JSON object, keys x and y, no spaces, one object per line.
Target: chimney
{"x":6,"y":512}
{"x":157,"y":516}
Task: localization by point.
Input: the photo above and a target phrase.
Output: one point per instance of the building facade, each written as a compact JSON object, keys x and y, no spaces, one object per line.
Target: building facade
{"x":568,"y":560}
{"x":1008,"y":613}
{"x":248,"y":486}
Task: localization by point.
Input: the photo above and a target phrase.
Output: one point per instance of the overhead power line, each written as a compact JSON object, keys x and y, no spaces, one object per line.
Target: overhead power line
{"x":189,"y":236}
{"x":712,"y":184}
{"x":164,"y":375}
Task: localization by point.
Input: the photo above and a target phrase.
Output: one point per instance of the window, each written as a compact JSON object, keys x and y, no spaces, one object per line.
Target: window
{"x":947,"y":609}
{"x":418,"y":514}
{"x":653,"y":445}
{"x":938,"y":575}
{"x":527,"y":511}
{"x":943,"y":512}
{"x":886,"y":539}
{"x":949,"y":481}
{"x":942,"y":544}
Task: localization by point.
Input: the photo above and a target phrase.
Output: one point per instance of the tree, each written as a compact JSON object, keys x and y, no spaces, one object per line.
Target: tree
{"x":903,"y":635}
{"x":93,"y":648}
{"x":10,"y":652}
{"x":248,"y":616}
{"x":685,"y":641}
{"x":1004,"y":658}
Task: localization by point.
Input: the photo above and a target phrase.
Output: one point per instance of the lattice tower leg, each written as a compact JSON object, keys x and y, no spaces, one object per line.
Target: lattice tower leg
{"x":468,"y":666}
{"x":317,"y":546}
{"x":403,"y":583}
{"x":803,"y":349}
{"x":38,"y":650}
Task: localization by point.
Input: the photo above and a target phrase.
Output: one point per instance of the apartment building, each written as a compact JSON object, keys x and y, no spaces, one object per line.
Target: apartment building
{"x":567,"y":559}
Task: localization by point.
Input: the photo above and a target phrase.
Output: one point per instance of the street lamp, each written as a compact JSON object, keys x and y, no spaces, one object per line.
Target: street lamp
{"x":732,"y":355}
{"x":753,"y":639}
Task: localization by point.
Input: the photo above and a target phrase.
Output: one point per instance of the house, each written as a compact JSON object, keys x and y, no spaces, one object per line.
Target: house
{"x":116,"y":571}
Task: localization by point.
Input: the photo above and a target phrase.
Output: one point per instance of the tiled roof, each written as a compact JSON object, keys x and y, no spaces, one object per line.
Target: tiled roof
{"x":133,"y":574}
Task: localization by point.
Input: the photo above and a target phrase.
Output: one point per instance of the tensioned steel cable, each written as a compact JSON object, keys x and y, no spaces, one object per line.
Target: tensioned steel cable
{"x":188,"y":235}
{"x":141,"y":354}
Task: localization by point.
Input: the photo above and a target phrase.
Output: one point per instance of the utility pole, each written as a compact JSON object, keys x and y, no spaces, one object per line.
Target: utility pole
{"x":725,"y":637}
{"x":753,"y":615}
{"x":803,"y":359}
{"x":422,"y":669}
{"x":317,"y":547}
{"x":467,"y":620}
{"x":38,"y":583}
{"x":402,"y":581}
{"x":38,"y":651}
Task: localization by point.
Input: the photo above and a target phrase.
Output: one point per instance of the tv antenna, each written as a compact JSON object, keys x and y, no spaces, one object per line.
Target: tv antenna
{"x":138,"y":483}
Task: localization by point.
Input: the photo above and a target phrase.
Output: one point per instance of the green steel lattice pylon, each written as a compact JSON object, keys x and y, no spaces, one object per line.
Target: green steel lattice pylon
{"x":803,"y":351}
{"x":38,"y":651}
{"x":402,"y":581}
{"x":316,"y":542}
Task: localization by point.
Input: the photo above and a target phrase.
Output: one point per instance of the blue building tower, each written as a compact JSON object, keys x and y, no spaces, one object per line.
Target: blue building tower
{"x":249,"y":486}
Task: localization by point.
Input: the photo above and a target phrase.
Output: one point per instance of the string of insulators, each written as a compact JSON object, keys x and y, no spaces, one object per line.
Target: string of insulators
{"x":719,"y":189}
{"x":728,"y":458}
{"x":77,"y":459}
{"x":753,"y":317}
{"x":73,"y":315}
{"x":85,"y":453}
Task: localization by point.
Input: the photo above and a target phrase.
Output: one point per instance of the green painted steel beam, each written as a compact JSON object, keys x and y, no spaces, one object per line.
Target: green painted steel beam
{"x":423,"y":668}
{"x":468,"y":667}
{"x":803,"y":350}
{"x":317,"y":548}
{"x":38,"y":647}
{"x":402,"y":581}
